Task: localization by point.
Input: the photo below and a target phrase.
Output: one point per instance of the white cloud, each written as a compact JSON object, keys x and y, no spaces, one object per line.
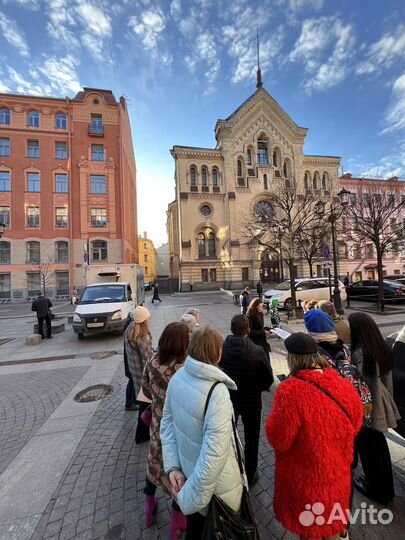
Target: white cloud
{"x":13,"y":34}
{"x":30,"y":4}
{"x":61,"y":73}
{"x":325,"y":48}
{"x":61,"y":22}
{"x":205,"y":53}
{"x":395,"y":116}
{"x":94,"y":18}
{"x":298,"y":5}
{"x":384,"y":52}
{"x":175,"y":9}
{"x":148,"y":27}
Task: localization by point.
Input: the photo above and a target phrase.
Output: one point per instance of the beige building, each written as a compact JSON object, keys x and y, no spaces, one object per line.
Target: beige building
{"x":217,"y":188}
{"x":147,"y":257}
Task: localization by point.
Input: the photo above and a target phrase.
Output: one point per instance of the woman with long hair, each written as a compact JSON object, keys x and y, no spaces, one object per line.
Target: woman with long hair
{"x":158,"y":371}
{"x":312,"y":425}
{"x":138,"y":350}
{"x":258,"y":334}
{"x":198,"y":452}
{"x":374,"y":360}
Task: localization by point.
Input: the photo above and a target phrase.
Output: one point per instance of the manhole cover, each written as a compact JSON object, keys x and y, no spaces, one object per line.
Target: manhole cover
{"x":93,"y":393}
{"x":102,"y":355}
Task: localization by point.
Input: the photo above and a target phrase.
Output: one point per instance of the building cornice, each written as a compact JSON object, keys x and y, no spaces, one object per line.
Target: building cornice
{"x":330,"y":161}
{"x":196,"y":153}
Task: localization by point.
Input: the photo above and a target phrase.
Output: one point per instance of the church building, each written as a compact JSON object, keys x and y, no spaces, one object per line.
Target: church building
{"x":216,"y":188}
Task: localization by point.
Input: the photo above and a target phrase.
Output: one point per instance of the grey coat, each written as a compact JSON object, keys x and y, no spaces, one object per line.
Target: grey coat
{"x":384,"y":414}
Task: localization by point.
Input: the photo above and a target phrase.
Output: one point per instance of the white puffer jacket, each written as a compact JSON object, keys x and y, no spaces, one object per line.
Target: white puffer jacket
{"x":202,"y":448}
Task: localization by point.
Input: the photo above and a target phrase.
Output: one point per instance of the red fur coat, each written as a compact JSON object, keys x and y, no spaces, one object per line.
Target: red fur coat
{"x":313,"y":442}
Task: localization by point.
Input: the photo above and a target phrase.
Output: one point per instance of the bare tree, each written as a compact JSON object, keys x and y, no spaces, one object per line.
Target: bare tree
{"x":46,"y":273}
{"x":376,"y":216}
{"x":312,"y":241}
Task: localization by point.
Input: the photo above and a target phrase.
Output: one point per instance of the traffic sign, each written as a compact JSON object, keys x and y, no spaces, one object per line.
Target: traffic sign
{"x":326,"y":252}
{"x":327,"y":264}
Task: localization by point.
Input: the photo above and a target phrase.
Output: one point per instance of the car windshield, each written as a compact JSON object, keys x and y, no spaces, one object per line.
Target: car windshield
{"x":284,"y":286}
{"x":103,"y":293}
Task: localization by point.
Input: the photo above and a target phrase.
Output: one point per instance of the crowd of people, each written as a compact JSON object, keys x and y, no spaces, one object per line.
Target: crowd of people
{"x":333,"y":407}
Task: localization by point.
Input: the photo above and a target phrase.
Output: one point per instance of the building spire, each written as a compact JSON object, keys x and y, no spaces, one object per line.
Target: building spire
{"x":259,"y":82}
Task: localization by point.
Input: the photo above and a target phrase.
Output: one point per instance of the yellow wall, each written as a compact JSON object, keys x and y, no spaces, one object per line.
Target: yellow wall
{"x":147,"y":257}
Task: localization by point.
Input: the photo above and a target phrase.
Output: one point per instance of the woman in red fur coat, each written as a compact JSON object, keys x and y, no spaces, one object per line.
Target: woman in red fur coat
{"x":312,"y":425}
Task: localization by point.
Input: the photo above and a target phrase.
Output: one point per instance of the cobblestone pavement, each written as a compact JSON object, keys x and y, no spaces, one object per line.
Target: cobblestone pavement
{"x":26,"y":401}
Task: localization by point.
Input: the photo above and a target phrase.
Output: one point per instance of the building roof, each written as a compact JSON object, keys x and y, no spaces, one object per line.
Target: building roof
{"x":107,"y":95}
{"x":349,"y":177}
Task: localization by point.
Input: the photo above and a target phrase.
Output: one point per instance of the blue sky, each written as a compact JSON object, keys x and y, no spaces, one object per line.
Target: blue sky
{"x":337,"y":68}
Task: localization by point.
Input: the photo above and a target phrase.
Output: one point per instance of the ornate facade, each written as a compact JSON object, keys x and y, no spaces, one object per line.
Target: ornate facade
{"x":216,"y":188}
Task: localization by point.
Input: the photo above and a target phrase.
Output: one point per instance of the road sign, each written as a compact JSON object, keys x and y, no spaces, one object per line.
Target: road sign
{"x":326,"y":252}
{"x":327,"y":264}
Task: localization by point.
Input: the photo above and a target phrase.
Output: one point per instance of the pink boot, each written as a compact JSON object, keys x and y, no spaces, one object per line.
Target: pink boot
{"x":178,"y":523}
{"x":150,"y":510}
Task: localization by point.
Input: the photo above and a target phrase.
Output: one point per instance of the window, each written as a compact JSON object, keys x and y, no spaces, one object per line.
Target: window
{"x":4,"y":146}
{"x":61,"y":183}
{"x":287,"y":168}
{"x":205,"y":210}
{"x":213,"y":274}
{"x":201,"y":245}
{"x":204,"y":275}
{"x":61,"y":252}
{"x":316,"y":181}
{"x":5,"y":116}
{"x":97,"y":123}
{"x":61,"y":218}
{"x":240,"y":168}
{"x":97,"y":152}
{"x":145,"y":258}
{"x":214,"y":176}
{"x":5,"y":215}
{"x":33,"y":119}
{"x":211,"y":245}
{"x":98,"y":217}
{"x":60,"y":120}
{"x":245,"y":273}
{"x":357,"y":251}
{"x":366,"y":199}
{"x":265,"y":183}
{"x":249,"y":157}
{"x":193,"y":176}
{"x":33,"y":252}
{"x":97,"y":184}
{"x":391,"y":199}
{"x":204,"y":176}
{"x":262,"y":156}
{"x":325,"y":181}
{"x":263,"y":210}
{"x":276,"y":158}
{"x":146,"y":270}
{"x":33,"y":182}
{"x":5,"y":285}
{"x":353,"y":198}
{"x":5,"y":253}
{"x":62,"y":283}
{"x":369,"y":251}
{"x":33,"y":217}
{"x":34,"y":283}
{"x":206,"y":244}
{"x":60,"y":150}
{"x":307,"y":181}
{"x":145,"y":245}
{"x":33,"y":148}
{"x":4,"y":181}
{"x":99,"y":250}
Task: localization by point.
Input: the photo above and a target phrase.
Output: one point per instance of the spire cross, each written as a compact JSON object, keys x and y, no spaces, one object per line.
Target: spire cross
{"x":259,"y":82}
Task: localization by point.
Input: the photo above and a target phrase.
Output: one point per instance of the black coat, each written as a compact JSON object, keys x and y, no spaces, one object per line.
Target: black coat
{"x":248,"y":365}
{"x":257,"y":333}
{"x":41,"y":305}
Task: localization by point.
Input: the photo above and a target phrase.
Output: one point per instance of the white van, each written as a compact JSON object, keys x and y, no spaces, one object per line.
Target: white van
{"x":305,"y":289}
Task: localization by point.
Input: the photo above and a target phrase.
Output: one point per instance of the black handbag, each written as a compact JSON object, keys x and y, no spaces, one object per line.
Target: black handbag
{"x":223,"y":523}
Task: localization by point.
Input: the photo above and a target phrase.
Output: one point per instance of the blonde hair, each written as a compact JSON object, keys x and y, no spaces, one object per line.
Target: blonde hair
{"x":296,"y":362}
{"x":206,"y":345}
{"x":310,"y":304}
{"x":192,"y":311}
{"x":137,"y":331}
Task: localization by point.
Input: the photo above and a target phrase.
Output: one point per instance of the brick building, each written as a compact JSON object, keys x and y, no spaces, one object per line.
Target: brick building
{"x":67,"y":190}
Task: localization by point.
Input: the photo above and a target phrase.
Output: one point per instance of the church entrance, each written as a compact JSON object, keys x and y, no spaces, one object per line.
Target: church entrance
{"x":269,"y":268}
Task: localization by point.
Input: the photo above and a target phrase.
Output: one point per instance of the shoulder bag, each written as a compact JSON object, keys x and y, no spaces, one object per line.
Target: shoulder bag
{"x":223,"y":523}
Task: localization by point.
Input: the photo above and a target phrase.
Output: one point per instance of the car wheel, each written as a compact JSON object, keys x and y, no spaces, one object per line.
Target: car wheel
{"x":80,"y":336}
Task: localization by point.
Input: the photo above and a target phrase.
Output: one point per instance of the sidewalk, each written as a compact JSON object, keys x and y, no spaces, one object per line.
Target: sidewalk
{"x":71,"y":470}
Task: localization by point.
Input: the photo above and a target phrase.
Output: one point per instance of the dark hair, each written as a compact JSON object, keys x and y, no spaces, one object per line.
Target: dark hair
{"x":366,"y":336}
{"x":252,"y":310}
{"x":173,"y":342}
{"x":240,"y":325}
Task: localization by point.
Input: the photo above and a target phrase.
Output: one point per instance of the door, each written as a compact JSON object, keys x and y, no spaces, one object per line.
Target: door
{"x":269,"y":272}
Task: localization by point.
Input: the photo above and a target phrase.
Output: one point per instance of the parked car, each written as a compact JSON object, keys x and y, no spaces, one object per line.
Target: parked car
{"x":367,"y":289}
{"x":397,"y":278}
{"x":305,"y":288}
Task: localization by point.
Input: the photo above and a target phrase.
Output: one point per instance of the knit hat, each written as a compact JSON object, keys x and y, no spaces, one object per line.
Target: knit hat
{"x":300,"y":343}
{"x":318,"y":322}
{"x":140,"y":314}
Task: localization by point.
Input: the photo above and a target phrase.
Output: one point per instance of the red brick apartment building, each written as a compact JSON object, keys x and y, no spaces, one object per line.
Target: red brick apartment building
{"x":67,"y":190}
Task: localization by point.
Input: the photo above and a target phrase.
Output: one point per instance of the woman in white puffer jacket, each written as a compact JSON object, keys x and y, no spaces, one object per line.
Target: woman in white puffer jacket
{"x":199,"y":452}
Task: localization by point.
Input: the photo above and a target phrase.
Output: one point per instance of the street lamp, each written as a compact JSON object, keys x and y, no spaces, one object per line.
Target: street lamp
{"x":2,"y":227}
{"x":278,"y":229}
{"x":335,"y":214}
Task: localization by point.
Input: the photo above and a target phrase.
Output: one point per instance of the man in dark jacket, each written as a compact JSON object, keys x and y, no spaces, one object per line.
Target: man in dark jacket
{"x":41,"y":305}
{"x":245,"y":300}
{"x":259,"y":289}
{"x":248,"y":365}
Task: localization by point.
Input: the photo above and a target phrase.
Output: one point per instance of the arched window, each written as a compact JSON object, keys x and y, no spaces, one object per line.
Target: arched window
{"x":214,"y":176}
{"x":61,"y":252}
{"x":307,"y":180}
{"x":325,"y":181}
{"x":262,"y":150}
{"x":193,"y":176}
{"x":287,"y":168}
{"x":264,"y":210}
{"x":265,"y":184}
{"x":5,"y":253}
{"x":33,"y":119}
{"x":275,"y":162}
{"x":249,"y":156}
{"x":212,"y":252}
{"x":60,"y":120}
{"x":5,"y":116}
{"x":33,"y":252}
{"x":204,"y":176}
{"x":277,"y":157}
{"x":240,"y":168}
{"x":99,"y":250}
{"x":201,"y":245}
{"x":316,"y":181}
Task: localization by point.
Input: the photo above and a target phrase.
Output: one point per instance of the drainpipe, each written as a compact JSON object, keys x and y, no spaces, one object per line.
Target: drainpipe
{"x":70,"y":195}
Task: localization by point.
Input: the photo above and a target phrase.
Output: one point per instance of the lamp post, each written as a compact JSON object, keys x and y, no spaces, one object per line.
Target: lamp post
{"x":335,"y":214}
{"x":278,"y":229}
{"x":2,"y":227}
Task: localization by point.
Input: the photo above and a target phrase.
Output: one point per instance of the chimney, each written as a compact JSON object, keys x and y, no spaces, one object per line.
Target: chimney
{"x":145,"y":235}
